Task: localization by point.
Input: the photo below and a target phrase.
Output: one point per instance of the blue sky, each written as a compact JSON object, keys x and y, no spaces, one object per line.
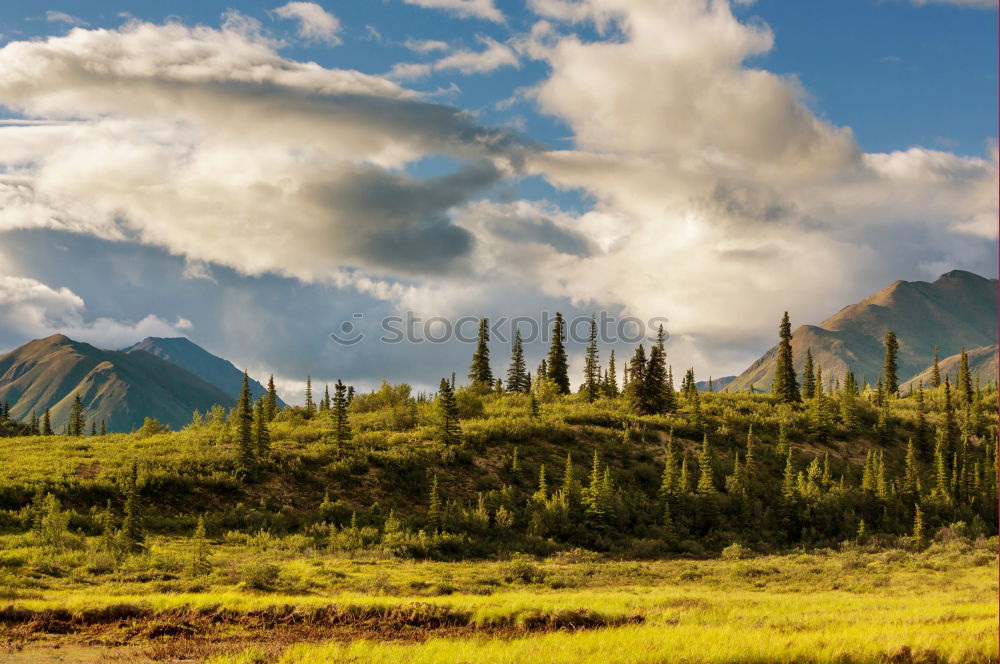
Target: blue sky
{"x":510,"y":160}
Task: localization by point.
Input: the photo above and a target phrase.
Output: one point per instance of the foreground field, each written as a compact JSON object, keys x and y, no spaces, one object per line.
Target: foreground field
{"x":856,"y":605}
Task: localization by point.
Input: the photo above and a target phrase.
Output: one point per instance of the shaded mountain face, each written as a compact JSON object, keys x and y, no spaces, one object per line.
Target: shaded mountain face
{"x":982,"y":367}
{"x":212,"y":369}
{"x":122,"y":389}
{"x":718,"y":384}
{"x":959,"y":309}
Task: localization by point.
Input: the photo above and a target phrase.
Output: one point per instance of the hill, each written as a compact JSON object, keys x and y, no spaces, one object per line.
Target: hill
{"x":982,"y":366}
{"x":119,"y":388}
{"x":959,"y":309}
{"x":718,"y":384}
{"x":191,"y":357}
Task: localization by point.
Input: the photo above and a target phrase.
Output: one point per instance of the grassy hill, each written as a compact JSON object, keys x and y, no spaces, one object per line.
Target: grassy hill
{"x":982,"y":367}
{"x":959,"y":309}
{"x":122,"y":389}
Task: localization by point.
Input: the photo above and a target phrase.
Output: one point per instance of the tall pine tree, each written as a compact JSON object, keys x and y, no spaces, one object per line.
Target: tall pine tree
{"x":558,"y":364}
{"x":890,"y":367}
{"x":808,"y":377}
{"x":480,"y":372}
{"x":517,"y":375}
{"x":342,"y":429}
{"x":591,"y":368}
{"x":785,"y":386}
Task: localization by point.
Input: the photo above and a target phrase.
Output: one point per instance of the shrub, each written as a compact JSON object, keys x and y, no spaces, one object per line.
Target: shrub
{"x":259,"y":575}
{"x":522,"y":569}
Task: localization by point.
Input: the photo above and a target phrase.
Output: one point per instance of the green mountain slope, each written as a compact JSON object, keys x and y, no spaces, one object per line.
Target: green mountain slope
{"x":191,"y":357}
{"x":959,"y":309}
{"x":120,"y":388}
{"x":982,"y":366}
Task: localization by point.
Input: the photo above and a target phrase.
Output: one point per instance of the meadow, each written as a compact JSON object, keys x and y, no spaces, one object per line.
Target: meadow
{"x":544,"y":528}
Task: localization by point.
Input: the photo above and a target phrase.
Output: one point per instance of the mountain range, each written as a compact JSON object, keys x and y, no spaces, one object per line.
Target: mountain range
{"x":119,"y":388}
{"x":957,"y":310}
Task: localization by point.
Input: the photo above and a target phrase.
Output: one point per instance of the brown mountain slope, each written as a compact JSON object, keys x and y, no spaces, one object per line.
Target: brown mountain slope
{"x":120,"y":388}
{"x":982,"y":366}
{"x":959,"y":309}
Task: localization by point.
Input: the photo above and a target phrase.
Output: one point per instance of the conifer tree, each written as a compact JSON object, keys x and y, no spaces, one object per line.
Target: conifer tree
{"x":808,"y":378}
{"x":104,"y":429}
{"x":244,"y":426}
{"x":750,"y":472}
{"x":47,"y":423}
{"x":788,"y":483}
{"x":558,"y":364}
{"x":706,"y":483}
{"x":935,"y":370}
{"x":76,"y":420}
{"x":964,"y":385}
{"x":434,"y":514}
{"x":131,"y":536}
{"x":447,"y":406}
{"x":200,"y":563}
{"x":921,"y":423}
{"x":271,"y":401}
{"x":542,"y":494}
{"x":890,"y":367}
{"x":670,"y":480}
{"x":785,"y":386}
{"x":342,"y":428}
{"x":480,"y":372}
{"x":654,"y":382}
{"x":636,"y":389}
{"x":310,"y":404}
{"x":517,"y":376}
{"x":668,"y":390}
{"x":911,"y":473}
{"x":570,"y":490}
{"x":324,"y":404}
{"x":533,"y":405}
{"x":262,"y":434}
{"x":591,"y":370}
{"x":611,"y":380}
{"x":919,"y":535}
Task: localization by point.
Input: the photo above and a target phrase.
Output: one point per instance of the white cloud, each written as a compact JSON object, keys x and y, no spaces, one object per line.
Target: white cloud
{"x":191,"y":137}
{"x":483,"y":9}
{"x":315,"y":23}
{"x":972,"y":4}
{"x":425,"y":45}
{"x":31,"y":309}
{"x":63,"y":17}
{"x":494,"y":56}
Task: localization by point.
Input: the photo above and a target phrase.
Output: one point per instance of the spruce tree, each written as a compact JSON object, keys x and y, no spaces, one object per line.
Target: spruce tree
{"x":450,"y":430}
{"x":785,"y":386}
{"x":533,"y":405}
{"x":890,"y":367}
{"x":480,"y":372}
{"x":964,"y":385}
{"x":342,"y":428}
{"x":47,"y":423}
{"x":131,"y":536}
{"x":919,"y":535}
{"x":611,"y":380}
{"x":435,"y":522}
{"x":808,"y":379}
{"x":935,"y":370}
{"x":591,"y":369}
{"x":200,"y":563}
{"x":244,"y":426}
{"x":324,"y":404}
{"x":77,"y":422}
{"x":517,"y":376}
{"x":706,"y":483}
{"x":104,"y":428}
{"x":271,"y":401}
{"x":310,"y":404}
{"x":558,"y":364}
{"x":654,"y":382}
{"x":262,"y":435}
{"x":636,"y":388}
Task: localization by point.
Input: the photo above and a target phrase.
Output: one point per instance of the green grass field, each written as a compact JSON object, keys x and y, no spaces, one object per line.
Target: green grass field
{"x":854,"y":605}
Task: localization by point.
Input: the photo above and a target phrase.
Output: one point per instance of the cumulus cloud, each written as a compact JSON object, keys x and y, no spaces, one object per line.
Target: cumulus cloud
{"x":494,"y":56}
{"x":483,"y":9}
{"x":708,"y":173}
{"x":191,"y":137}
{"x":425,"y":45}
{"x":315,"y":23}
{"x":31,"y":309}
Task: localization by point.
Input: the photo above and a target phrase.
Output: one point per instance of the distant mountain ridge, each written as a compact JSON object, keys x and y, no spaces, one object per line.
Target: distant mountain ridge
{"x":958,"y":309}
{"x":718,"y":384}
{"x":191,"y":357}
{"x":982,"y":367}
{"x":120,"y":388}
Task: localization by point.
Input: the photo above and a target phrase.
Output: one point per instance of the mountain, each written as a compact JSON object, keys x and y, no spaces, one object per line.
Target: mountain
{"x":959,"y":309}
{"x":210,"y":368}
{"x":120,"y":388}
{"x":718,"y":384}
{"x":982,"y":366}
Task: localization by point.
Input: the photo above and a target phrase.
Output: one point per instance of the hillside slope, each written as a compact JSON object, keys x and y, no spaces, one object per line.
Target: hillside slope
{"x":119,"y":388}
{"x":191,"y":357}
{"x":982,"y":366}
{"x":959,"y":309}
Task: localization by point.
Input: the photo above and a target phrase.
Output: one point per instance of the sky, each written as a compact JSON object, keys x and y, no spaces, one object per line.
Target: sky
{"x":256,"y":175}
